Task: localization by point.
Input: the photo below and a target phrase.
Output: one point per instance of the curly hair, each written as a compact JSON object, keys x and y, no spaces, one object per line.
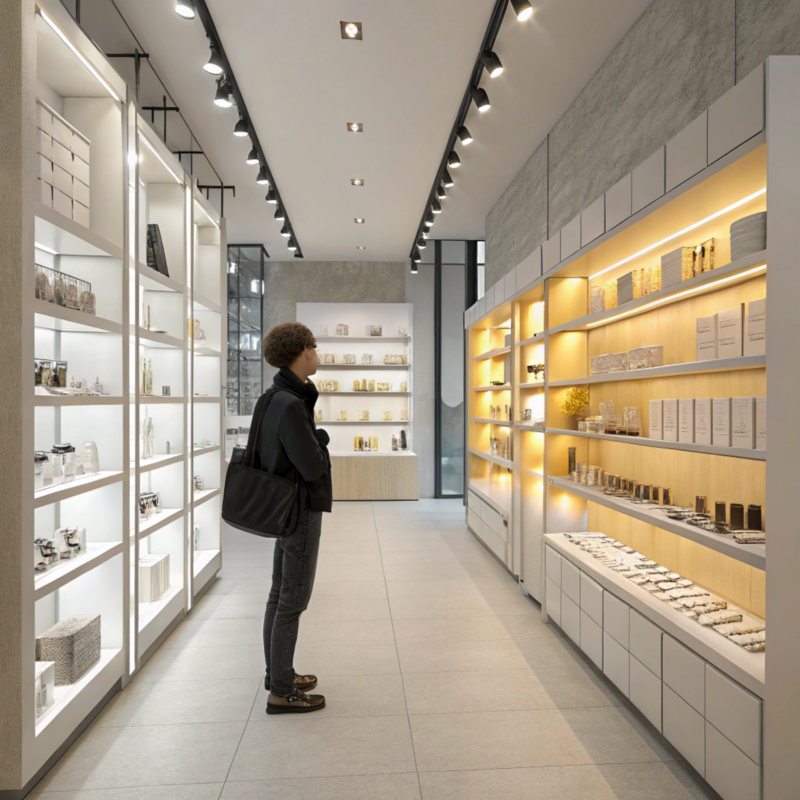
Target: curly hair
{"x":285,"y":342}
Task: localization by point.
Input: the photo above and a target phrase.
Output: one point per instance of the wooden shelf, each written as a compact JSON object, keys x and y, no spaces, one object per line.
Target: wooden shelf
{"x":206,"y":303}
{"x":156,"y":462}
{"x":503,"y":423}
{"x":368,"y":394}
{"x":503,"y":462}
{"x":689,"y":368}
{"x":145,"y":400}
{"x":203,"y":496}
{"x":206,"y":352}
{"x":504,"y":388}
{"x":157,"y":521}
{"x":730,"y":452}
{"x":60,"y":575}
{"x":753,"y":554}
{"x":201,"y":451}
{"x":206,"y":399}
{"x":85,"y":483}
{"x":498,"y":351}
{"x":153,"y":281}
{"x":68,"y":320}
{"x":534,"y":472}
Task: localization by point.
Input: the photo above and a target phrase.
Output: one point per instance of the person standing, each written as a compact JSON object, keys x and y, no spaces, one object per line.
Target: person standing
{"x":290,"y":445}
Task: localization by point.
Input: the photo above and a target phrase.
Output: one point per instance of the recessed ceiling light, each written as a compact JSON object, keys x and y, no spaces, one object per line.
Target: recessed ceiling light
{"x":357,"y":181}
{"x":359,"y":220}
{"x":351,"y":30}
{"x":355,"y":127}
{"x":361,"y":247}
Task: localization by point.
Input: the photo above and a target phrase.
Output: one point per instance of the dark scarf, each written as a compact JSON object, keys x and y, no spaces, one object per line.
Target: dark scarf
{"x":286,"y":379}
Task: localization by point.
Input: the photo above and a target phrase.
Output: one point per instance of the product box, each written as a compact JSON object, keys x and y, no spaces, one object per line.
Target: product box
{"x":721,"y":421}
{"x":656,"y":419}
{"x":73,"y":644}
{"x":755,"y":328}
{"x":598,"y":365}
{"x":703,"y":429}
{"x":686,"y":421}
{"x":62,"y":157}
{"x":761,"y":423}
{"x":743,"y":422}
{"x":80,"y":192}
{"x":729,"y":332}
{"x":670,"y":417}
{"x":707,"y":338}
{"x":80,"y":169}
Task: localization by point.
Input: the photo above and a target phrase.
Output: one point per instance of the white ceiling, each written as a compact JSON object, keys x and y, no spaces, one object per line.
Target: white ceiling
{"x":404,"y":81}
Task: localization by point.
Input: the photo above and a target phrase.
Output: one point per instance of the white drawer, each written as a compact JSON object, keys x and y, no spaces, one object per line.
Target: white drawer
{"x":44,"y":144}
{"x":592,"y":598}
{"x":645,"y":642}
{"x":570,"y":618}
{"x":81,"y":214}
{"x":494,"y":520}
{"x":552,"y":565}
{"x":685,"y":673}
{"x":571,"y":581}
{"x":62,"y":133}
{"x":62,"y":203}
{"x":734,"y":712}
{"x":80,"y":169}
{"x":45,"y":193}
{"x":645,"y":692}
{"x":616,"y":664}
{"x":45,"y":170}
{"x":80,"y":148}
{"x":729,"y":771}
{"x":81,"y":193}
{"x":62,"y":156}
{"x":473,"y":502}
{"x":592,"y":639}
{"x":473,"y":519}
{"x":44,"y":119}
{"x":684,"y":729}
{"x":616,"y":619}
{"x":62,"y":180}
{"x":552,"y":599}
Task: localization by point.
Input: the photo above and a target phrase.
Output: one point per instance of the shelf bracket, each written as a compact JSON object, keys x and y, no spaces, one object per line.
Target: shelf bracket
{"x":191,"y":154}
{"x":136,"y":55}
{"x":164,"y":107}
{"x":207,"y":189}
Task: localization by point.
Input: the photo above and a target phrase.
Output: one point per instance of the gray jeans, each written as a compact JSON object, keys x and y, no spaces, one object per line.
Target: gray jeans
{"x":293,"y":570}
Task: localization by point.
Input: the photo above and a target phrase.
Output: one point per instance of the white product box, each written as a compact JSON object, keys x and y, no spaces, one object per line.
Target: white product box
{"x":62,"y":203}
{"x":729,"y":332}
{"x":44,"y":144}
{"x":80,"y":192}
{"x":44,"y":119}
{"x":62,"y":180}
{"x":703,"y":429}
{"x":743,"y":422}
{"x":656,"y":419}
{"x":761,"y":423}
{"x":80,"y":147}
{"x":62,"y":157}
{"x":686,"y":421}
{"x":80,"y":169}
{"x":670,"y":411}
{"x":45,"y":192}
{"x":80,"y":214}
{"x":755,"y":328}
{"x":45,"y":170}
{"x":707,"y":338}
{"x":721,"y":421}
{"x":62,"y":133}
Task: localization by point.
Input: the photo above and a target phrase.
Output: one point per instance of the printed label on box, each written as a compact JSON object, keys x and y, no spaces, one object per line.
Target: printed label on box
{"x":729,"y":333}
{"x":656,"y":419}
{"x":743,"y":422}
{"x":721,"y":421}
{"x":702,"y":421}
{"x":670,"y":420}
{"x":686,"y":421}
{"x":755,"y":325}
{"x":707,"y":338}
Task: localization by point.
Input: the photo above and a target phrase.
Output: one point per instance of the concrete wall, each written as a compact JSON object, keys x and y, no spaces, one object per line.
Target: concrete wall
{"x":677,"y":59}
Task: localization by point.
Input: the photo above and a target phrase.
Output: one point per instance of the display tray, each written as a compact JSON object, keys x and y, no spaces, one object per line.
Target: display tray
{"x":746,"y":668}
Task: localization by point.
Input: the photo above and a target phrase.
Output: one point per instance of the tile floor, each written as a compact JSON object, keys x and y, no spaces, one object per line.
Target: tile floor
{"x":442,"y":683}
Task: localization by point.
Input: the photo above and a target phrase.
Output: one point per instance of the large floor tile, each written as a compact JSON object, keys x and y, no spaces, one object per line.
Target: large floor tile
{"x":577,"y":687}
{"x":442,"y":608}
{"x":431,"y":588}
{"x":215,"y":633}
{"x":231,"y":606}
{"x":206,"y":663}
{"x":403,"y":786}
{"x":425,"y":572}
{"x":330,"y":546}
{"x":418,"y":534}
{"x":315,"y":746}
{"x":507,"y":604}
{"x":145,"y":756}
{"x":456,"y":629}
{"x":335,"y":590}
{"x":407,"y":544}
{"x":349,"y":534}
{"x":454,"y":692}
{"x":345,"y":632}
{"x":654,"y":781}
{"x":528,"y":626}
{"x":441,"y":557}
{"x":361,"y":558}
{"x":180,"y":702}
{"x":380,"y":659}
{"x":195,"y":791}
{"x":459,"y":656}
{"x":550,"y":653}
{"x":254,"y":568}
{"x":346,"y":608}
{"x":349,"y":572}
{"x":253,"y":585}
{"x":347,"y":696}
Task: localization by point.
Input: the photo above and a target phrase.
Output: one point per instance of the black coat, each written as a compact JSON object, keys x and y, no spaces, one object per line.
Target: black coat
{"x":289,"y":443}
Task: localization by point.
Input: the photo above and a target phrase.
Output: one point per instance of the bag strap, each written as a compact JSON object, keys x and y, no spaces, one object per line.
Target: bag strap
{"x":253,"y":440}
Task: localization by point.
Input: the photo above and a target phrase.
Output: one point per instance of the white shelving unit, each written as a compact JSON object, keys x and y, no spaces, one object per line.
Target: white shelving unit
{"x":98,"y":234}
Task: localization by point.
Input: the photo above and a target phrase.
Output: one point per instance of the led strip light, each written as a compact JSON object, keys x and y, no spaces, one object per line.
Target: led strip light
{"x":158,"y":156}
{"x":680,"y":233}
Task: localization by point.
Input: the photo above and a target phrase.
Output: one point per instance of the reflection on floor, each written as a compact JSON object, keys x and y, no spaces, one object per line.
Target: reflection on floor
{"x":442,"y":683}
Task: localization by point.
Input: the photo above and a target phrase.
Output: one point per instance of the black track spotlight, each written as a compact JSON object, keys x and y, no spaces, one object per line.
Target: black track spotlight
{"x":523,"y":9}
{"x":493,"y":64}
{"x":252,"y":157}
{"x":436,"y":207}
{"x":453,"y":160}
{"x":215,"y":65}
{"x":290,"y":244}
{"x":429,"y":220}
{"x":285,"y":231}
{"x":241,"y":128}
{"x":447,"y":180}
{"x":464,"y":135}
{"x":262,"y":178}
{"x":425,"y":234}
{"x":417,"y":257}
{"x":481,"y":100}
{"x":272,"y":196}
{"x":441,"y":194}
{"x":280,"y":215}
{"x":298,"y":254}
{"x":185,"y":9}
{"x":223,"y":95}
{"x":421,"y":243}
{"x":414,"y":267}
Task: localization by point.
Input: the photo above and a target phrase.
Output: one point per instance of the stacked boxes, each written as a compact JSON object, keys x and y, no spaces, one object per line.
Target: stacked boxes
{"x":755,"y":328}
{"x":63,"y":176}
{"x":153,"y":576}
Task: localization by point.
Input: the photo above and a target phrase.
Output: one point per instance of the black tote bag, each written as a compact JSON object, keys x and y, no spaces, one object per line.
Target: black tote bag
{"x":256,"y":501}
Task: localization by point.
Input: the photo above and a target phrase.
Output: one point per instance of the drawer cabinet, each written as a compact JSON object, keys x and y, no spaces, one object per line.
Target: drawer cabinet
{"x":729,"y":771}
{"x":616,"y":664}
{"x":552,"y":565}
{"x":734,"y":712}
{"x":645,"y":642}
{"x":616,"y":619}
{"x":592,"y":639}
{"x":684,"y":729}
{"x":645,"y":691}
{"x":553,"y":600}
{"x":570,"y":618}
{"x":592,"y":598}
{"x":685,"y":674}
{"x":571,"y":581}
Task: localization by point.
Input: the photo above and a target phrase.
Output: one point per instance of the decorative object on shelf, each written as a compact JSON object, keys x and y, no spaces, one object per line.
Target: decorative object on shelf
{"x":342,"y":416}
{"x":146,"y":387}
{"x":196,"y":333}
{"x":677,"y":266}
{"x":576,"y":402}
{"x":323,"y":330}
{"x":395,"y":445}
{"x":526,"y":414}
{"x":327,"y":358}
{"x":382,"y":387}
{"x":404,"y":415}
{"x":363,"y":416}
{"x":403,"y":386}
{"x":195,"y":537}
{"x":367,"y":358}
{"x":610,"y":292}
{"x":571,"y":460}
{"x":50,"y":373}
{"x":646,"y":357}
{"x":328,"y":386}
{"x":632,"y":424}
{"x":625,"y":289}
{"x":611,"y":420}
{"x":156,"y":256}
{"x":610,"y":362}
{"x":199,"y":483}
{"x":45,"y":553}
{"x":395,"y":360}
{"x":500,"y":446}
{"x":148,"y":439}
{"x":73,"y":645}
{"x":45,"y":679}
{"x":149,"y":504}
{"x":402,"y":331}
{"x":342,"y":330}
{"x":71,"y":542}
{"x":64,"y":455}
{"x":403,"y":441}
{"x":536,"y":370}
{"x":318,"y":415}
{"x":755,"y":328}
{"x":365,"y":444}
{"x":496,"y":383}
{"x":374,"y":330}
{"x":386,"y":416}
{"x":90,"y":460}
{"x":166,"y":391}
{"x":748,"y":235}
{"x":153,"y":576}
{"x":349,"y":358}
{"x":42,"y":471}
{"x":168,"y":448}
